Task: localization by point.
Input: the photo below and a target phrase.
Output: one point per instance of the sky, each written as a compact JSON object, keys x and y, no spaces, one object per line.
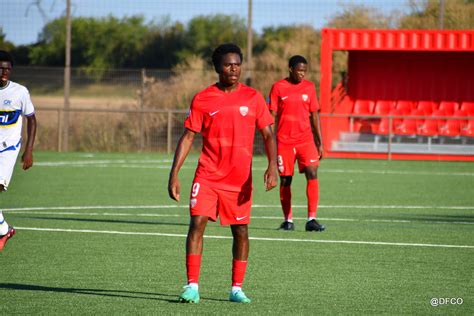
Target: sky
{"x":23,"y":20}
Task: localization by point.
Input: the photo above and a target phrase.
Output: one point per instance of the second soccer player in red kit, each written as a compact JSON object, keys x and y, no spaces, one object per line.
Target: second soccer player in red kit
{"x":226,"y":114}
{"x":293,"y":101}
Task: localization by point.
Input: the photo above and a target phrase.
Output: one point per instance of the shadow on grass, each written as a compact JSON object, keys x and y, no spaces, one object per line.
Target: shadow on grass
{"x":170,"y":298}
{"x":105,"y":221}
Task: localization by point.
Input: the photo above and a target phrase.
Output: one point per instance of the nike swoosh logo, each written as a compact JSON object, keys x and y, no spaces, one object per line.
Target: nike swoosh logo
{"x":313,"y":160}
{"x":283,"y":98}
{"x":213,"y":113}
{"x":240,"y":218}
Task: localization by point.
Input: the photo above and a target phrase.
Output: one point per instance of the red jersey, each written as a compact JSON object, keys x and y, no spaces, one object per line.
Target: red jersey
{"x":293,"y":104}
{"x":227,"y":122}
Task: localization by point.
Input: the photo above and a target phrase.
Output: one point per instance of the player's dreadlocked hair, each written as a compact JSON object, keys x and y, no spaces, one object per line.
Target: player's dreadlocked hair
{"x":6,"y":56}
{"x":223,"y":49}
{"x":295,"y":60}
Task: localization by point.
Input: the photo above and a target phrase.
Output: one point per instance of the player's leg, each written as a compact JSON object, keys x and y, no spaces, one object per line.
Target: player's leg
{"x":203,"y":203}
{"x":240,"y":253}
{"x":308,"y":162}
{"x":235,"y":210}
{"x":7,"y":163}
{"x":286,"y":161}
{"x":194,"y":247}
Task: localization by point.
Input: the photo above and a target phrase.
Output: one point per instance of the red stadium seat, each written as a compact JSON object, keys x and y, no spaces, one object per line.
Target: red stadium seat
{"x":427,"y":107}
{"x":461,"y":113}
{"x":449,"y":107}
{"x":468,"y":107}
{"x":363,"y":107}
{"x":411,"y":125}
{"x":452,"y":128}
{"x":431,"y":125}
{"x":383,"y":127}
{"x":405,"y":107}
{"x":383,"y":107}
{"x":360,"y":124}
{"x":469,"y":129}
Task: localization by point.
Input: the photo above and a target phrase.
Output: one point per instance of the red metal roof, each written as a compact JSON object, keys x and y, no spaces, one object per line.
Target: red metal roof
{"x":405,"y":40}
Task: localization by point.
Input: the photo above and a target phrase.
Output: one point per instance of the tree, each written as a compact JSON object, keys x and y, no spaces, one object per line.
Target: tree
{"x":359,"y":17}
{"x":4,"y":44}
{"x":459,"y":14}
{"x":204,"y":33}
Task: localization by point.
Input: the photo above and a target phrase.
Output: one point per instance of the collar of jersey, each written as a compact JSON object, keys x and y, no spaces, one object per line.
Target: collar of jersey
{"x":6,"y":86}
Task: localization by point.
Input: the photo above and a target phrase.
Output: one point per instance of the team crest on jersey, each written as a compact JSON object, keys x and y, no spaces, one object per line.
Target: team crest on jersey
{"x":304,"y":97}
{"x":244,"y":110}
{"x":193,"y":202}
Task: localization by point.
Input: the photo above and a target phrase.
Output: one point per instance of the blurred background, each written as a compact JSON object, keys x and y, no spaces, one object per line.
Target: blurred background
{"x":124,"y":78}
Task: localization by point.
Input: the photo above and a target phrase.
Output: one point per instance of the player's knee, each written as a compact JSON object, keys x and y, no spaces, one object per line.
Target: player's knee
{"x":286,"y":180}
{"x":240,"y":231}
{"x":311,"y":173}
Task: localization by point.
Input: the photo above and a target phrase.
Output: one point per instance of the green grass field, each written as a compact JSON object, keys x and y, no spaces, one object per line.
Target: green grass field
{"x":97,"y":234}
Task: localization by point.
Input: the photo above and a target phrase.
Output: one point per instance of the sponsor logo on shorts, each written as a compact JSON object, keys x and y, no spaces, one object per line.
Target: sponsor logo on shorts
{"x":284,"y":98}
{"x":244,"y":110}
{"x":193,"y":202}
{"x":240,"y":218}
{"x":313,"y":160}
{"x":214,"y":113}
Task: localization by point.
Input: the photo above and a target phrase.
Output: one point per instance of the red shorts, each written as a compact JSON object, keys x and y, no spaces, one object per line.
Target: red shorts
{"x":306,"y":154}
{"x":232,"y":207}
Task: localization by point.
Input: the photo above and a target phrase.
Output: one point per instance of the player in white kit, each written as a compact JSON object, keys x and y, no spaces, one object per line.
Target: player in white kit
{"x":15,"y":102}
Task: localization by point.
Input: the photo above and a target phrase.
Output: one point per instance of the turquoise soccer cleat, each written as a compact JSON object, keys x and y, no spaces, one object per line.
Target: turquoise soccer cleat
{"x":190,"y":295}
{"x":238,"y":297}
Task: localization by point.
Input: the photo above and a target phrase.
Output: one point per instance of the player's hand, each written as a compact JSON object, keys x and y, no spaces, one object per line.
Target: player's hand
{"x":321,"y":151}
{"x":174,"y":188}
{"x":270,"y":178}
{"x":27,"y":159}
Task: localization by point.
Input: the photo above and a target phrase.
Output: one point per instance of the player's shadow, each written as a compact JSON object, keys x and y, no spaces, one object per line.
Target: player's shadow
{"x":97,"y":292}
{"x":116,"y":221}
{"x":170,"y":298}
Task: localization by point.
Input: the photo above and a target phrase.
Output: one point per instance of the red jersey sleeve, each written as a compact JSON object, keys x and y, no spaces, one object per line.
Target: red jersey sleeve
{"x":274,"y":94}
{"x":314,"y":105}
{"x":263,"y":116}
{"x":195,"y":117}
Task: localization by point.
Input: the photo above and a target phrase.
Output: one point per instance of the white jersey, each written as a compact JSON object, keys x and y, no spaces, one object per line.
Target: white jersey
{"x":15,"y":101}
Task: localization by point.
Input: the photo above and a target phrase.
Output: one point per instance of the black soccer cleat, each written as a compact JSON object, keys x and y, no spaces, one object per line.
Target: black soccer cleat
{"x":313,"y":225}
{"x":287,"y":226}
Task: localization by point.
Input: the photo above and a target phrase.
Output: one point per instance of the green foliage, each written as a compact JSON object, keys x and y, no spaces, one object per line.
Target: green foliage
{"x":425,"y":14}
{"x":204,"y":33}
{"x":359,"y":17}
{"x":4,"y":44}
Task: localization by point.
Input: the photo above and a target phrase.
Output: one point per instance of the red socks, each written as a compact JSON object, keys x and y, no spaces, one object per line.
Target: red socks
{"x":238,"y":272}
{"x":285,"y":199}
{"x":312,"y":193}
{"x":193,"y":267}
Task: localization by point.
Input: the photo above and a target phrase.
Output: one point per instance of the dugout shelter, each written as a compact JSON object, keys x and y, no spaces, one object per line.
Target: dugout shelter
{"x":407,"y":94}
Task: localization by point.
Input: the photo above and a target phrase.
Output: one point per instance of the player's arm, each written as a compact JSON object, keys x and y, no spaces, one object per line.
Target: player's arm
{"x":317,"y":129}
{"x":273,"y":126}
{"x":27,"y":157}
{"x":271,"y":176}
{"x":182,"y":151}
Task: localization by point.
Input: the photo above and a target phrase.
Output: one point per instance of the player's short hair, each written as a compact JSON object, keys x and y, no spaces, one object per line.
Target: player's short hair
{"x":295,"y":60}
{"x":223,"y":49}
{"x":6,"y":56}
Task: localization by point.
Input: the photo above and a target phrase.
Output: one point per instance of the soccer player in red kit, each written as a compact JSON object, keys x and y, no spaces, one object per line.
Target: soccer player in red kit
{"x":294,"y":103}
{"x":226,"y":114}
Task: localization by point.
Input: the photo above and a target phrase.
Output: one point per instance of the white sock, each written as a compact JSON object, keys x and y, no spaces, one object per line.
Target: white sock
{"x":289,"y":220}
{"x":235,"y":289}
{"x":195,"y":286}
{"x":3,"y":225}
{"x":311,"y":218}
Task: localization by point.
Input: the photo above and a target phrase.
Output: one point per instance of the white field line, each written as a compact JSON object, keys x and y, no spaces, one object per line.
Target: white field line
{"x":166,"y":164}
{"x":91,"y":207}
{"x":251,"y":238}
{"x":32,"y":212}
